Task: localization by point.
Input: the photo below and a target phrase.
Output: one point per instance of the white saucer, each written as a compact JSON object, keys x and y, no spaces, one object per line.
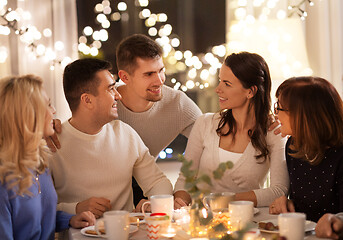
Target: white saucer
{"x":133,"y":229}
{"x":309,"y":226}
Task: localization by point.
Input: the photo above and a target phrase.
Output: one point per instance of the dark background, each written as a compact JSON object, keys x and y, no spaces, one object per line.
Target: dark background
{"x":199,"y":24}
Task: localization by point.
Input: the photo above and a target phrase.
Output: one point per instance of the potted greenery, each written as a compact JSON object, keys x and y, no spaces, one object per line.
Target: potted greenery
{"x":198,"y":185}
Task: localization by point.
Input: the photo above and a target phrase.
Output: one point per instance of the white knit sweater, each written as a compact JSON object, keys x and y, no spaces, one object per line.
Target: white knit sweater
{"x":247,"y":174}
{"x":174,"y":114}
{"x":102,"y":165}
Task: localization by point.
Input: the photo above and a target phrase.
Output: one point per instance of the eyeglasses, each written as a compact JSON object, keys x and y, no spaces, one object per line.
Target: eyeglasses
{"x":277,"y":108}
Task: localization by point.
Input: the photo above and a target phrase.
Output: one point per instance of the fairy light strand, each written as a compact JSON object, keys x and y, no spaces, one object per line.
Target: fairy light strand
{"x":29,"y":36}
{"x":298,"y":9}
{"x":200,"y":69}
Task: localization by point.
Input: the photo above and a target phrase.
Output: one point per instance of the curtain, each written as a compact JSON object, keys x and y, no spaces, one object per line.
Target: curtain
{"x":60,"y":17}
{"x":324,"y":38}
{"x":322,"y":30}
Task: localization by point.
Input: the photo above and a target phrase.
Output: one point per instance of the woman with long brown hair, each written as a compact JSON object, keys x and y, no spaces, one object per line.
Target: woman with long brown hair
{"x":311,"y":111}
{"x":239,"y":133}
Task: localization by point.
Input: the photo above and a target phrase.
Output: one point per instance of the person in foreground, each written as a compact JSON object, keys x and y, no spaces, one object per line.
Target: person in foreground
{"x":27,"y":196}
{"x":330,"y":226}
{"x":311,"y":111}
{"x":239,"y":133}
{"x":99,"y":155}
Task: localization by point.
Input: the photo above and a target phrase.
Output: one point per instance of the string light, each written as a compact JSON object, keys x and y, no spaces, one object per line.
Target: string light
{"x":28,"y":35}
{"x":297,"y":9}
{"x":201,"y":69}
{"x":158,"y":27}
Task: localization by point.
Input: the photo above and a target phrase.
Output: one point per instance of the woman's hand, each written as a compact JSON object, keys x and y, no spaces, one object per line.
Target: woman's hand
{"x":329,"y":226}
{"x":82,"y":220}
{"x":181,"y":198}
{"x":179,"y":202}
{"x":281,"y":205}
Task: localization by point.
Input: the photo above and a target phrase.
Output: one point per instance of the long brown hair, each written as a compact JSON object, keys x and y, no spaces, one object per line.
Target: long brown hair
{"x":316,"y":116}
{"x":251,"y":70}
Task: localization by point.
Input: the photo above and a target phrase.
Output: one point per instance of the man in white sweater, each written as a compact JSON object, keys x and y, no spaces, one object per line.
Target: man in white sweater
{"x":98,"y":154}
{"x":158,"y":113}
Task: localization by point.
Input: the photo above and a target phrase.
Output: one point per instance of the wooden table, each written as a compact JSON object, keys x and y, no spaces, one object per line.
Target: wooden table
{"x":75,"y":234}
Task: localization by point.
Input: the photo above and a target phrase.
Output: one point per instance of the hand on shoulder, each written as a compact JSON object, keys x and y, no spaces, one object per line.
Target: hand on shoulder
{"x":53,"y":141}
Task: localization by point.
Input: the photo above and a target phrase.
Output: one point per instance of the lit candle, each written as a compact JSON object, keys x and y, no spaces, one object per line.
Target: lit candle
{"x":204,"y":212}
{"x":169,"y":233}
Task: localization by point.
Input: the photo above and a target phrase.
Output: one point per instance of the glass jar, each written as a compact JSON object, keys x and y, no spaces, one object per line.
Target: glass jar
{"x":200,"y":219}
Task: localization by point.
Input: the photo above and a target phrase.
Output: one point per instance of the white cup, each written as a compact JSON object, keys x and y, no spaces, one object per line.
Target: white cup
{"x":117,"y":225}
{"x":292,"y":225}
{"x":161,"y":204}
{"x":241,"y":213}
{"x":219,"y":200}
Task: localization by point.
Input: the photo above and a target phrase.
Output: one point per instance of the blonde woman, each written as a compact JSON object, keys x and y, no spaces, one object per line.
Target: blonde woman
{"x":27,"y":196}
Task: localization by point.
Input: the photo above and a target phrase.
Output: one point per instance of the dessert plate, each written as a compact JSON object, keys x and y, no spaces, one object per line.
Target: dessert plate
{"x":309,"y":226}
{"x":87,"y":231}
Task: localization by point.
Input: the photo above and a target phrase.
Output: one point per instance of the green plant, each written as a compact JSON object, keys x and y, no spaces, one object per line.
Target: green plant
{"x":194,"y":181}
{"x":194,"y":184}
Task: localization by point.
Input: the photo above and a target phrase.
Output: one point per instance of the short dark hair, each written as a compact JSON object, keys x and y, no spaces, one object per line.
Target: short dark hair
{"x":79,"y":77}
{"x":134,"y":46}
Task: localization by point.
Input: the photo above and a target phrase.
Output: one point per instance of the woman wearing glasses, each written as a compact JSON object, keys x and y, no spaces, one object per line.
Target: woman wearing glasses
{"x":239,"y":133}
{"x":27,"y":196}
{"x":311,"y":111}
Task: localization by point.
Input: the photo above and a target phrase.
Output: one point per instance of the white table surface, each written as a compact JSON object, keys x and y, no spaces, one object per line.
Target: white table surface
{"x":75,"y":234}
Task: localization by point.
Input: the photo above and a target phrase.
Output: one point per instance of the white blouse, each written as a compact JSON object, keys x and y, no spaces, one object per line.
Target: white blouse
{"x":247,"y":174}
{"x":225,"y":156}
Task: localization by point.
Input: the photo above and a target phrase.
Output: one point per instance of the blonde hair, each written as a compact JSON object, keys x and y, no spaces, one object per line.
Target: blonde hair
{"x":22,"y":119}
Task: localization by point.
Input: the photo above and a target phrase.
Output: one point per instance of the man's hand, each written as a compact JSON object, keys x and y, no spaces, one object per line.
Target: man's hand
{"x":52,"y":141}
{"x":138,"y":208}
{"x":179,"y":202}
{"x":281,"y":205}
{"x":82,"y":220}
{"x":329,"y":226}
{"x":94,"y":204}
